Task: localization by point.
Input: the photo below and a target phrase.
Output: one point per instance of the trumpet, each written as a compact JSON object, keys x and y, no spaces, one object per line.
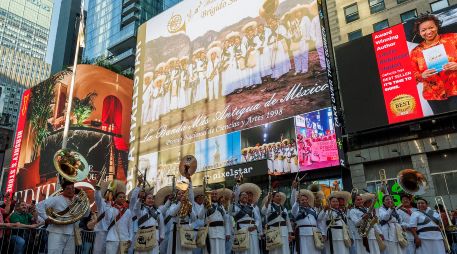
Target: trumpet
{"x":173,"y":187}
{"x":443,"y":229}
{"x":207,"y":194}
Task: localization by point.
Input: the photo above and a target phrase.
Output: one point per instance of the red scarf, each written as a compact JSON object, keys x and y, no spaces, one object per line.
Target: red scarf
{"x":121,"y":208}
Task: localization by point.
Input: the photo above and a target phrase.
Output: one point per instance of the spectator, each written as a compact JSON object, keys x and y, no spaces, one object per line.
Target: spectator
{"x":24,"y":219}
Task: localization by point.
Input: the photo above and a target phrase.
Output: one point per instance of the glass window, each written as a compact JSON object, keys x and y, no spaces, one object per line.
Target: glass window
{"x":401,"y":1}
{"x":351,"y":12}
{"x":408,"y":15}
{"x":376,"y":5}
{"x":438,"y":5}
{"x":354,"y":35}
{"x":381,"y":25}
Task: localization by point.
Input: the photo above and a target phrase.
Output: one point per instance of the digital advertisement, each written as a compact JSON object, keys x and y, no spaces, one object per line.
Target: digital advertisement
{"x":411,"y":67}
{"x":206,"y":82}
{"x":99,"y":129}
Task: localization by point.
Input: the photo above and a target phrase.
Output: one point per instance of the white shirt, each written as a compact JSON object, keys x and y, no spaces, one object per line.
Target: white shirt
{"x":417,"y":218}
{"x":218,"y":232}
{"x":355,"y":219}
{"x":122,"y":229}
{"x":140,"y":211}
{"x":267,"y":211}
{"x":102,"y":205}
{"x":59,"y":203}
{"x":389,"y":230}
{"x":309,"y":220}
{"x":337,"y":234}
{"x":406,"y":222}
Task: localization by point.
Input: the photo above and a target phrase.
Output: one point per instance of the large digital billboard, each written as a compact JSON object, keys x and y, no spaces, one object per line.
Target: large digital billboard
{"x":402,"y":73}
{"x":223,"y":80}
{"x":99,"y":129}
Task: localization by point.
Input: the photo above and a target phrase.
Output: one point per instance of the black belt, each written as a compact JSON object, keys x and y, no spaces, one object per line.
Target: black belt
{"x":184,"y":223}
{"x":278,"y":224}
{"x":246,"y":222}
{"x":156,"y":227}
{"x":306,"y":226}
{"x":336,"y":227}
{"x":427,"y":229}
{"x":216,"y":224}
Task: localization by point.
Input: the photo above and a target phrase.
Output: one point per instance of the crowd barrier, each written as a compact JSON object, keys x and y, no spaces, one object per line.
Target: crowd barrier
{"x":28,"y":241}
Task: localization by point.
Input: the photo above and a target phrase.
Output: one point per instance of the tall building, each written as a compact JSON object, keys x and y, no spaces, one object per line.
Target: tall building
{"x":24,"y":31}
{"x":350,"y":20}
{"x":61,"y":48}
{"x":111,"y":28}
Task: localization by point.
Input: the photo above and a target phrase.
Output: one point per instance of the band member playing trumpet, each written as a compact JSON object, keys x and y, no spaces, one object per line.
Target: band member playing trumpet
{"x":119,"y":220}
{"x":245,"y":216}
{"x":148,"y":217}
{"x":61,"y":238}
{"x":277,"y":216}
{"x":306,"y":221}
{"x":360,"y":219}
{"x":390,"y":226}
{"x":405,"y":211}
{"x":335,"y":228}
{"x":425,"y":224}
{"x":219,"y":226}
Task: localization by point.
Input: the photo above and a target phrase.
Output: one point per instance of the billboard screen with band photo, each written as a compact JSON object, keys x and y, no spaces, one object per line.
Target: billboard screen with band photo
{"x":209,"y":72}
{"x":402,"y":73}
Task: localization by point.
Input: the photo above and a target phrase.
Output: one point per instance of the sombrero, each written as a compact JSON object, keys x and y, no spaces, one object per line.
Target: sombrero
{"x":162,"y":194}
{"x":199,"y":50}
{"x":297,"y":8}
{"x":341,"y":194}
{"x":198,"y":191}
{"x":160,"y":65}
{"x":231,"y":35}
{"x":212,"y":50}
{"x":215,"y":44}
{"x":309,"y":194}
{"x":252,"y":24}
{"x":253,"y":188}
{"x":281,"y":202}
{"x":367,"y":196}
{"x":172,"y":60}
{"x":160,"y":78}
{"x":227,"y":194}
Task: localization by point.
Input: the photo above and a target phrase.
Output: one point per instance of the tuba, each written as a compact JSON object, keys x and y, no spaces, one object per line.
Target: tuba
{"x":412,"y":182}
{"x":187,"y":168}
{"x":71,"y":166}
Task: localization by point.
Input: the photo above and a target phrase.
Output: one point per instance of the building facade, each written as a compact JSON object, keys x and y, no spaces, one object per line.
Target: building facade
{"x":24,"y":31}
{"x":61,"y":48}
{"x":111,"y":28}
{"x":350,"y":20}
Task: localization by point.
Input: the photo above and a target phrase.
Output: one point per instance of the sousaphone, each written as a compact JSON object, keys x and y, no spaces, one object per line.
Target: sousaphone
{"x":412,"y":181}
{"x":72,"y":167}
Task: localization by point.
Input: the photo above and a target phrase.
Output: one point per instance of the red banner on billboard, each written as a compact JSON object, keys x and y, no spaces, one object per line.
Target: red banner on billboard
{"x":17,"y":142}
{"x":396,"y":74}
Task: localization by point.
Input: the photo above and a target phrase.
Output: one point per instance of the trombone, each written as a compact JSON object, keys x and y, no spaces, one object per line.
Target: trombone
{"x":383,"y":179}
{"x":439,"y":200}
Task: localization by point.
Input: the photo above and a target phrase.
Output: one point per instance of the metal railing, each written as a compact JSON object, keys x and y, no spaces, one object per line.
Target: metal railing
{"x":26,"y":240}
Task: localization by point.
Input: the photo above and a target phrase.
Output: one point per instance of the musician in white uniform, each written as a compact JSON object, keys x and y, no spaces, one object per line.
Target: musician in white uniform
{"x":359,"y":215}
{"x":197,"y":197}
{"x":425,"y":224}
{"x":60,"y":237}
{"x":405,"y":211}
{"x":119,"y":220}
{"x":163,"y":199}
{"x":245,"y":216}
{"x":390,"y":223}
{"x":200,"y":92}
{"x":249,"y":48}
{"x":218,"y":226}
{"x":174,"y":242}
{"x":277,"y":42}
{"x":263,"y":34}
{"x":148,"y":216}
{"x":306,"y":220}
{"x":277,"y":216}
{"x":333,"y":226}
{"x":212,"y":72}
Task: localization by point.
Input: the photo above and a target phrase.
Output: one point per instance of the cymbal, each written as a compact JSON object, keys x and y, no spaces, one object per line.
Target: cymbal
{"x":188,"y":165}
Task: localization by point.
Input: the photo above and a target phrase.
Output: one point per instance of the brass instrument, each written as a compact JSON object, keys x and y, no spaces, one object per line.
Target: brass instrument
{"x":207,"y":193}
{"x":367,"y":224}
{"x":173,"y":187}
{"x":383,"y":180}
{"x":72,"y":166}
{"x":412,"y":182}
{"x":101,"y":177}
{"x":443,"y":229}
{"x":187,"y":168}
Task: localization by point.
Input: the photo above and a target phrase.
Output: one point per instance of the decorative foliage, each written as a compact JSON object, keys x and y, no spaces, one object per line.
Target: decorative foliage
{"x":82,"y":108}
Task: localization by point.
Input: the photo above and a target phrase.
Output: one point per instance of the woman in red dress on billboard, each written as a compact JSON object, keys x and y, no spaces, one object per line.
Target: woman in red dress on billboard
{"x":439,"y":81}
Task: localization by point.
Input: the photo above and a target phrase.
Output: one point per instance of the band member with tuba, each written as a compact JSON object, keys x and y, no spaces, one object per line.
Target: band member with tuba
{"x":425,"y":226}
{"x":306,"y":220}
{"x":245,"y":215}
{"x":277,"y":216}
{"x":405,"y":211}
{"x":61,"y":238}
{"x":390,"y":222}
{"x":334,"y":222}
{"x":362,"y":222}
{"x":218,"y":225}
{"x":151,"y":229}
{"x":118,"y":217}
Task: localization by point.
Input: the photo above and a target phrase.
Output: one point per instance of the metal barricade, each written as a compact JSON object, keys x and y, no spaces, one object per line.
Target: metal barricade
{"x":35,"y":241}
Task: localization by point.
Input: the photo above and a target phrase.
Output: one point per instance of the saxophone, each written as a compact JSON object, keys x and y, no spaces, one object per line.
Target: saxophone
{"x":367,"y":224}
{"x":186,"y":206}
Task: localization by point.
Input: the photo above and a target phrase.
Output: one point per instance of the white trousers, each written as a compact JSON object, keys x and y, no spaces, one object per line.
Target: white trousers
{"x":217,"y":245}
{"x":360,"y":249}
{"x":307,"y":245}
{"x":100,"y":242}
{"x":61,"y":243}
{"x":112,"y":247}
{"x":394,"y":248}
{"x":430,"y":246}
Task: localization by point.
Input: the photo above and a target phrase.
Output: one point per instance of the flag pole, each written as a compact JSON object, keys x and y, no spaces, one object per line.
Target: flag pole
{"x":79,"y":41}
